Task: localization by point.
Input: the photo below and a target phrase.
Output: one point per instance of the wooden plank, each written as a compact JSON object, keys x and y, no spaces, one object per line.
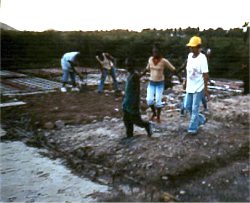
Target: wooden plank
{"x":28,"y":93}
{"x":12,"y":104}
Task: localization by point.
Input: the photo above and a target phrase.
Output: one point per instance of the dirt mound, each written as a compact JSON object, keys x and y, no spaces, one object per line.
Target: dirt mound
{"x":90,"y":139}
{"x":232,"y":110}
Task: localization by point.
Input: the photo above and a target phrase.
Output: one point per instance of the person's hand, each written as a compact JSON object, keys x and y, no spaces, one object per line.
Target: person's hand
{"x":184,"y":84}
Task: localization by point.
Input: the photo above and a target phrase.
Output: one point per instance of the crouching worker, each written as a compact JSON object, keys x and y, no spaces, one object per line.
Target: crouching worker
{"x":68,"y":62}
{"x":131,"y":102}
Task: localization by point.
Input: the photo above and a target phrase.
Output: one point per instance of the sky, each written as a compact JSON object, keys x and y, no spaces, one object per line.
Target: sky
{"x":91,"y":15}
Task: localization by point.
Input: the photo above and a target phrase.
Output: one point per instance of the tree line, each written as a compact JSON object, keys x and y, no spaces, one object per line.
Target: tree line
{"x":230,"y":48}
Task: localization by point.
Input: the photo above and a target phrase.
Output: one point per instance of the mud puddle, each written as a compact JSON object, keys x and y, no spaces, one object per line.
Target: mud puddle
{"x":27,"y":176}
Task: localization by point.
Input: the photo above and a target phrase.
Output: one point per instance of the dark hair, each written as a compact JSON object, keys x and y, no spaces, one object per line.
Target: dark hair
{"x":157,"y":49}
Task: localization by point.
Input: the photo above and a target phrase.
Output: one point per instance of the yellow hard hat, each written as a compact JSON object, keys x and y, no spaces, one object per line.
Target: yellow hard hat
{"x":194,"y":41}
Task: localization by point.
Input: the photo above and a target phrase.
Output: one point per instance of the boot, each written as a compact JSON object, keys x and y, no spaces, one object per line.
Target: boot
{"x":158,"y":120}
{"x":149,"y":129}
{"x":154,"y":112}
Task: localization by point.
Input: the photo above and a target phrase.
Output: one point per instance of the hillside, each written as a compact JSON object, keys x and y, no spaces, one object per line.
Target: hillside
{"x":4,"y":26}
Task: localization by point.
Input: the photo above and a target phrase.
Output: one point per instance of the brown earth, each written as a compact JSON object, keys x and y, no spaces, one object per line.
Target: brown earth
{"x":86,"y":129}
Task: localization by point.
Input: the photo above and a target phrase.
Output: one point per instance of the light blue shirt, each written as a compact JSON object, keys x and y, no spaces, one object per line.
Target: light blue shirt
{"x":70,"y":56}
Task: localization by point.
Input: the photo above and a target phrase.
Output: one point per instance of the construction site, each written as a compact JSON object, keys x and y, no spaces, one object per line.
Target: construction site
{"x":83,"y":132}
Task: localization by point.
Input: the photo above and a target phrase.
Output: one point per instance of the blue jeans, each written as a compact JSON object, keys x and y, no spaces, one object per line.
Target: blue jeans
{"x":154,"y":93}
{"x":103,"y":78}
{"x":204,"y":101}
{"x":67,"y":74}
{"x":183,"y":105}
{"x":192,"y":104}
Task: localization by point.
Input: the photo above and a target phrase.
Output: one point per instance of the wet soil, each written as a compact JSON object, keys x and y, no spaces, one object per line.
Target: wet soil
{"x":28,"y":176}
{"x":86,"y":130}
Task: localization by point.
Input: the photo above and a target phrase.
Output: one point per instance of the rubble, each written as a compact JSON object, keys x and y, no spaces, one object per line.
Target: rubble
{"x":89,"y":134}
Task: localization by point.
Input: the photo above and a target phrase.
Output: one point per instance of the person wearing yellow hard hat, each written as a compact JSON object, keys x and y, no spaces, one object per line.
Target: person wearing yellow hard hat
{"x":196,"y":83}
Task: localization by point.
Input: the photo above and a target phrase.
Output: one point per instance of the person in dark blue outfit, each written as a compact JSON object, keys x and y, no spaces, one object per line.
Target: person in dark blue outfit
{"x":131,"y":102}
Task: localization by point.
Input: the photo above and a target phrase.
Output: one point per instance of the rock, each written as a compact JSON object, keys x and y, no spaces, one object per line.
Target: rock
{"x":103,"y":181}
{"x":107,"y":118}
{"x":59,"y":124}
{"x":49,"y":125}
{"x":92,"y":117}
{"x":245,"y":170}
{"x":166,"y":197}
{"x":164,"y":178}
{"x":182,"y":192}
{"x":149,"y":165}
{"x":114,"y":120}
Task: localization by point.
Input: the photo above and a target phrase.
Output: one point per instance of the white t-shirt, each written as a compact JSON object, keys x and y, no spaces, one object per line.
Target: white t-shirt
{"x":70,"y":56}
{"x":195,"y":69}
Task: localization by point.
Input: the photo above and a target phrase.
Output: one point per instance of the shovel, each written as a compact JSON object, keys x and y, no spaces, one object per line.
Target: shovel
{"x":83,"y":82}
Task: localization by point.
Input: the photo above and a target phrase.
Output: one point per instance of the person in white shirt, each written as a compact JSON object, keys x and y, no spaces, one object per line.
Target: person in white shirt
{"x":68,"y":62}
{"x":196,"y":83}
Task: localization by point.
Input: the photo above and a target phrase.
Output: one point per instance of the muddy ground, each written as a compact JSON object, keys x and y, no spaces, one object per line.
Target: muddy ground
{"x":28,"y":176}
{"x":86,"y":130}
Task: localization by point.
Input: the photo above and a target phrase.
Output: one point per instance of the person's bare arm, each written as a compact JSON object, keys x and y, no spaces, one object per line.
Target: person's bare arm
{"x":170,"y":66}
{"x":145,"y":71}
{"x":99,"y":62}
{"x":98,"y":59}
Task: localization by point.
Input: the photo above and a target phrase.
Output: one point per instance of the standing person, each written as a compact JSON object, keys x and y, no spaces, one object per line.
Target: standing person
{"x":156,"y":66}
{"x":107,"y":67}
{"x":204,"y":100}
{"x":68,"y":62}
{"x":196,"y":83}
{"x":131,"y":102}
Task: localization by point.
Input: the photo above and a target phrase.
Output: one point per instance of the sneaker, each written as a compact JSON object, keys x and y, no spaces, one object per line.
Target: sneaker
{"x":63,"y":89}
{"x":192,"y":132}
{"x":75,"y":89}
{"x":150,"y":129}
